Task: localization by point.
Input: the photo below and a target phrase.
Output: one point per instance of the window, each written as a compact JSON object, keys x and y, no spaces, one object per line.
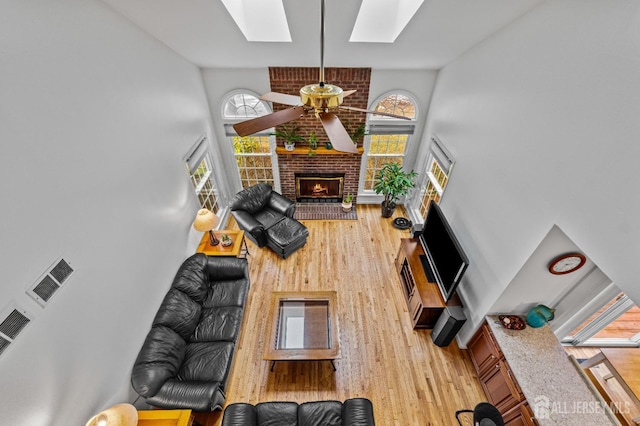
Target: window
{"x":254,"y":154}
{"x":388,"y":137}
{"x":438,"y":168}
{"x":199,"y":168}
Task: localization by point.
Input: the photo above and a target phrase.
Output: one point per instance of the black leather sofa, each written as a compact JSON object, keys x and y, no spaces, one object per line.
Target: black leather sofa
{"x":353,"y":412}
{"x":267,"y":219}
{"x":186,"y":357}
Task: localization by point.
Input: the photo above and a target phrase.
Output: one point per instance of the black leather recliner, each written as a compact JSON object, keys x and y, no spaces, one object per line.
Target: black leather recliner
{"x":353,"y":412}
{"x":267,"y":219}
{"x":186,"y":358}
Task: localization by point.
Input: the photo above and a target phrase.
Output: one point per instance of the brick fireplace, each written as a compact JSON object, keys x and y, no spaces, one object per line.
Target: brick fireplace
{"x":303,"y":160}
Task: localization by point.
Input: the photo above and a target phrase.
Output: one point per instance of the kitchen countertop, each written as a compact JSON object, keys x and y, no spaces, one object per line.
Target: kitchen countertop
{"x":555,"y":390}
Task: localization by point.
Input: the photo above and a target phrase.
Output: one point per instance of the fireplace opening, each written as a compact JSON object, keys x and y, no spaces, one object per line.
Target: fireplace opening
{"x":319,"y":187}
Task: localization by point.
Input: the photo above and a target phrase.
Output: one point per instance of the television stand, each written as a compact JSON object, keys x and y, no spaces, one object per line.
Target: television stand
{"x":424,"y":301}
{"x":431,"y":277}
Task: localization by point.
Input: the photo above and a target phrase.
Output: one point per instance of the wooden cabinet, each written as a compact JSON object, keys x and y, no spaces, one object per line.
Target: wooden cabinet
{"x":500,"y":387}
{"x":497,"y":380}
{"x":424,"y":301}
{"x":520,"y":415}
{"x":483,"y":350}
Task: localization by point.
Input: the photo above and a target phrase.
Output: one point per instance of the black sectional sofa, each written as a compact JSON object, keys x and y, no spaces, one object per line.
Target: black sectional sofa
{"x":186,"y":358}
{"x":353,"y":412}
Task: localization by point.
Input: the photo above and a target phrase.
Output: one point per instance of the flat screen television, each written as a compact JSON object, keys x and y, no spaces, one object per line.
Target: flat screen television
{"x":445,"y":262}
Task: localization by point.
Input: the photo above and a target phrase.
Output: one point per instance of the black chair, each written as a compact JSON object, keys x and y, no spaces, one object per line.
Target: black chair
{"x":267,"y":219}
{"x":484,"y":414}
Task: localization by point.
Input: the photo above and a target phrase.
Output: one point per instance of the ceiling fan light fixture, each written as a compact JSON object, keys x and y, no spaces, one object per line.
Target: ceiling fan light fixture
{"x":321,"y":96}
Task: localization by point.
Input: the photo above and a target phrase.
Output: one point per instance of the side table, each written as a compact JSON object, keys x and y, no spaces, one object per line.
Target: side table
{"x":165,"y":418}
{"x":238,"y":248}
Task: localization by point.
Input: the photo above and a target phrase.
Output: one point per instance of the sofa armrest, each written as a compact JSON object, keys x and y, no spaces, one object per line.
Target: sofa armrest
{"x":282,"y":204}
{"x":223,"y":268}
{"x":198,"y":396}
{"x":240,"y":414}
{"x":250,"y":225}
{"x":357,"y":412}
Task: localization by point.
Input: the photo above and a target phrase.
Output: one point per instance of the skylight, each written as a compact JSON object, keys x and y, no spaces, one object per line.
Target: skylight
{"x":260,"y":20}
{"x":382,"y":21}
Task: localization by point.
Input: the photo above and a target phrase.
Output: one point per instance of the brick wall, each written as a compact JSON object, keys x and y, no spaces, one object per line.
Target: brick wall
{"x":291,"y":80}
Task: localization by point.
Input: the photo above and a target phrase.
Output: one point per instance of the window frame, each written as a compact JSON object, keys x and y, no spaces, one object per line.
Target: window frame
{"x":383,"y":125}
{"x":198,"y":154}
{"x":437,"y":153}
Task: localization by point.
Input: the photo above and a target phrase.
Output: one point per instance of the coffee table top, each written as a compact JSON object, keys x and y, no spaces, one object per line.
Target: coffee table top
{"x":302,"y":326}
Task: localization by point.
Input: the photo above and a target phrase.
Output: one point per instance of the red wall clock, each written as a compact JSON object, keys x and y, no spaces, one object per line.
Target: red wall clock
{"x":567,"y":263}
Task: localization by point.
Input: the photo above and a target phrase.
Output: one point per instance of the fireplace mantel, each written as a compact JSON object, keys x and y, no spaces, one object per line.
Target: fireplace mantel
{"x":318,"y":151}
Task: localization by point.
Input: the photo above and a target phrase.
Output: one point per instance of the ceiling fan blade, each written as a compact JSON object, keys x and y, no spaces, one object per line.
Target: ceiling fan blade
{"x":249,"y":127}
{"x":336,"y":132}
{"x":386,"y":114}
{"x":281,"y":98}
{"x":348,"y":92}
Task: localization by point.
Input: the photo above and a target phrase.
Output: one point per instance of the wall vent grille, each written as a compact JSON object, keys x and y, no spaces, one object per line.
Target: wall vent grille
{"x":13,"y":324}
{"x":50,"y":282}
{"x":61,"y":271}
{"x":13,"y":320}
{"x":46,"y":288}
{"x":4,"y":344}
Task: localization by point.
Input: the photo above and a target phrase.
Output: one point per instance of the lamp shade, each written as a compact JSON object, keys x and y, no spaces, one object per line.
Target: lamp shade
{"x":118,"y":415}
{"x":205,"y":221}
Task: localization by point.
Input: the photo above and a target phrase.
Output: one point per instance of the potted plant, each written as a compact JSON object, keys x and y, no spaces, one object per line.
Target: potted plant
{"x":347,"y":202}
{"x":392,"y":182}
{"x":358,"y":133}
{"x":313,"y":141}
{"x":225,"y":240}
{"x":290,"y":136}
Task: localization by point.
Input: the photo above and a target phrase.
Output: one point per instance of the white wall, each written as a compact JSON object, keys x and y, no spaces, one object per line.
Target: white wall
{"x":542,"y":118}
{"x":95,"y":118}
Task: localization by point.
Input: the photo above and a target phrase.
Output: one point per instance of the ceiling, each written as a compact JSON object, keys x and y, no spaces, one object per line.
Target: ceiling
{"x":203,"y":32}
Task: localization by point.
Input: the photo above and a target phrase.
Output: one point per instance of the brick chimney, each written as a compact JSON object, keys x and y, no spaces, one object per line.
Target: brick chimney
{"x":290,"y":80}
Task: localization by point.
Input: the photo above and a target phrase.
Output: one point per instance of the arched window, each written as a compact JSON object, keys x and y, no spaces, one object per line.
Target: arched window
{"x":254,"y":154}
{"x":388,"y":137}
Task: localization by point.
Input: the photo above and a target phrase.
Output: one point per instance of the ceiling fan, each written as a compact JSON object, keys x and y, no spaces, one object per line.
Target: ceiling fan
{"x":321,"y":98}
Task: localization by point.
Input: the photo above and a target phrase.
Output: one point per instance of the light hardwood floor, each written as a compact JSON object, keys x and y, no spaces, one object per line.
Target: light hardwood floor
{"x":409,"y":380}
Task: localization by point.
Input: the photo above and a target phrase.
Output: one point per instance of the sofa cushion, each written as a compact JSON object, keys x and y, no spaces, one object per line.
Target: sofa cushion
{"x":207,"y":362}
{"x":159,"y":359}
{"x":218,"y":324}
{"x":320,"y":413}
{"x":239,"y":414}
{"x":226,"y":293}
{"x":268,"y":217}
{"x":178,"y":312}
{"x":277,"y":414}
{"x":191,"y":278}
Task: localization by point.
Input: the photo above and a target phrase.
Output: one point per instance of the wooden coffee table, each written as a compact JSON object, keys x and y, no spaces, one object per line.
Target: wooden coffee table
{"x":303,"y":326}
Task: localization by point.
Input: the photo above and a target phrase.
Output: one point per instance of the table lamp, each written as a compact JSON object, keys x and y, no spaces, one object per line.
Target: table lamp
{"x":205,"y":221}
{"x":118,"y":415}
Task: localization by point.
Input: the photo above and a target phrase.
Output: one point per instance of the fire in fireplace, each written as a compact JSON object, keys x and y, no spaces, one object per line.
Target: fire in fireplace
{"x":319,"y":187}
